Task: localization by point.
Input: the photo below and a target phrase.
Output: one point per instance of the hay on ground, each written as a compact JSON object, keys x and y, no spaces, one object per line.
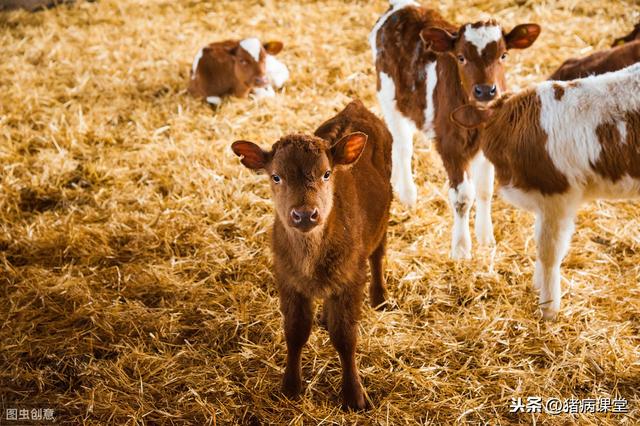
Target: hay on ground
{"x":134,"y":264}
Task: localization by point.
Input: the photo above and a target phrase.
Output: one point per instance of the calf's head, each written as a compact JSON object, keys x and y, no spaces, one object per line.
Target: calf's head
{"x":249,"y":61}
{"x":480,"y":51}
{"x":300,"y":169}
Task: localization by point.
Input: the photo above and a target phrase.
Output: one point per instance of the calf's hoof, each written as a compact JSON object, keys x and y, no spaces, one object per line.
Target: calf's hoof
{"x":485,"y":239}
{"x":355,"y":402}
{"x":291,"y":386}
{"x":407,"y":193}
{"x":378,"y":301}
{"x":549,"y":314}
{"x":460,"y":253}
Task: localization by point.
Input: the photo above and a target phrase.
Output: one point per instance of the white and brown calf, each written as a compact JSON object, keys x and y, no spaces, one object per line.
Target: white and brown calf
{"x":237,"y":67}
{"x":558,"y":145}
{"x":426,"y":68}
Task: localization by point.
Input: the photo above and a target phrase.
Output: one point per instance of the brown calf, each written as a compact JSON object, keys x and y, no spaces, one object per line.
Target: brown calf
{"x":612,"y":59}
{"x":232,"y":67}
{"x":332,"y":194}
{"x":558,"y":145}
{"x":426,"y":68}
{"x":633,"y":35}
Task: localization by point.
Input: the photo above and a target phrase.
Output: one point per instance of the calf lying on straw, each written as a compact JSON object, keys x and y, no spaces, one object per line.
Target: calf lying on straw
{"x":237,"y":67}
{"x":556,"y":146}
{"x":332,"y":194}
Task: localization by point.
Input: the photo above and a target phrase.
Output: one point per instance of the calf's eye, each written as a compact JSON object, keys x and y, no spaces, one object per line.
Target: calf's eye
{"x":461,"y":59}
{"x":276,"y":179}
{"x":326,"y":175}
{"x":504,"y":56}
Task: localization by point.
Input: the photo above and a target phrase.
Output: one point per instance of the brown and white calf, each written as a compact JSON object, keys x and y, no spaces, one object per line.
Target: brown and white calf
{"x":332,"y":194}
{"x":426,"y":68}
{"x":237,"y":67}
{"x":612,"y":59}
{"x":557,"y":145}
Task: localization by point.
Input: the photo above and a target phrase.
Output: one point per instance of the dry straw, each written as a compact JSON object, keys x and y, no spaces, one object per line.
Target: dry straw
{"x":134,"y":271}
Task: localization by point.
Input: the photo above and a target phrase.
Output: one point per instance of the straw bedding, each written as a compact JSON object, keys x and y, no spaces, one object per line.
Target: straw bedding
{"x":134,"y":266}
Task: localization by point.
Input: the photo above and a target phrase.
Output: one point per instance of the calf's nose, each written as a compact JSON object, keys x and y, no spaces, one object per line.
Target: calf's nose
{"x":261,"y":81}
{"x":305,"y":218}
{"x":484,"y":92}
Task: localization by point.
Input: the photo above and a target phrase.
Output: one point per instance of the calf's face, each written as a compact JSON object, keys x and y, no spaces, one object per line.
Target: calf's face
{"x":249,"y":61}
{"x":300,"y":170}
{"x":480,"y":51}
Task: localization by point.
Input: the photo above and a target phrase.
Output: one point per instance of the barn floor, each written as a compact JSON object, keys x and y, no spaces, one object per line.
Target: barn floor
{"x":134,"y":263}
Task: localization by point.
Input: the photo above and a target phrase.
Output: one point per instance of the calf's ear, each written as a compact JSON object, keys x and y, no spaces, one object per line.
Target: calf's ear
{"x":252,"y":156}
{"x":348,"y":149}
{"x":522,"y":36}
{"x":273,"y":47}
{"x":438,"y":39}
{"x":470,"y":116}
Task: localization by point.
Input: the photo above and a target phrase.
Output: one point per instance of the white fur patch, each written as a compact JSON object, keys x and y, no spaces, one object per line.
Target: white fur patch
{"x":214,"y":100}
{"x":571,"y":122}
{"x":461,"y":198}
{"x":277,"y":72}
{"x":395,"y":6}
{"x":252,"y":46}
{"x":196,"y":61}
{"x":432,"y":80}
{"x":482,"y":36}
{"x":263,"y":92}
{"x":622,"y":129}
{"x":402,"y":130}
{"x":482,"y":173}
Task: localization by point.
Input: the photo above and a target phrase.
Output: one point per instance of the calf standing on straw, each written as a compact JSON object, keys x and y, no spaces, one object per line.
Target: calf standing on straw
{"x":332,"y":194}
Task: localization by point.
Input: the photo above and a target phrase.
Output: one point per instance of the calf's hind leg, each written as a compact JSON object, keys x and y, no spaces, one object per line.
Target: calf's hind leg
{"x":402,"y":130}
{"x":377,"y":292}
{"x":343,"y":312}
{"x":298,"y":316}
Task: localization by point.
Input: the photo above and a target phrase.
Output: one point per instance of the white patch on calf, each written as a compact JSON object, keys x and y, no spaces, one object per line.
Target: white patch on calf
{"x":253,"y":47}
{"x":402,"y":130}
{"x":276,"y":71}
{"x":432,"y":80}
{"x":196,"y":61}
{"x":263,"y":92}
{"x":622,"y":129}
{"x":461,"y":198}
{"x":482,"y":36}
{"x":214,"y":100}
{"x":395,"y":6}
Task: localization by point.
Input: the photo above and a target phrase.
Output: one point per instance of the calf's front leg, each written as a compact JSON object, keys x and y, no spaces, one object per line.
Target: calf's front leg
{"x":298,"y":316}
{"x":461,"y":198}
{"x":553,"y":230}
{"x":343,"y":312}
{"x":482,"y":172}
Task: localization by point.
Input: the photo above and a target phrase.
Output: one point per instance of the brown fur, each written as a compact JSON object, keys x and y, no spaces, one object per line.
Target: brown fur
{"x":612,"y":59}
{"x":633,"y":35}
{"x":619,"y":157}
{"x":558,"y":91}
{"x":515,"y":143}
{"x":225,"y":68}
{"x":405,"y":47}
{"x":329,"y":262}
